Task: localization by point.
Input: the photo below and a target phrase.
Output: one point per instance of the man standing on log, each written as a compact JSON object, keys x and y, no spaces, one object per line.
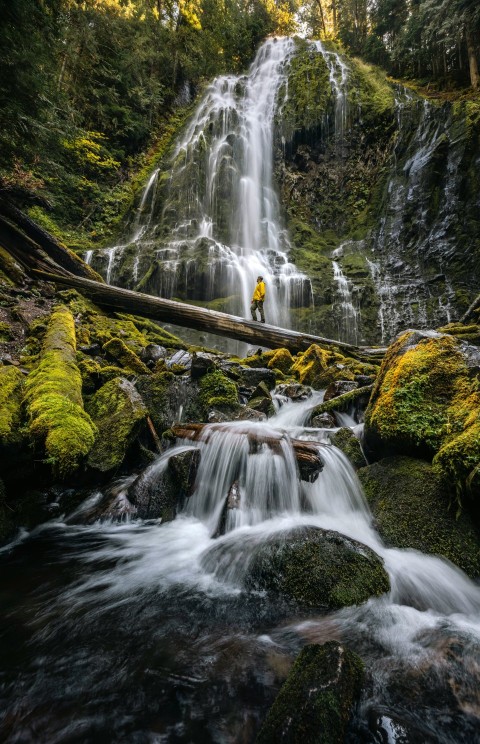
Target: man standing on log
{"x":257,"y":300}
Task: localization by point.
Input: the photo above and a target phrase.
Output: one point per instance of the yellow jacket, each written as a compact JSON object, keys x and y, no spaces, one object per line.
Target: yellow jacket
{"x":259,"y":293}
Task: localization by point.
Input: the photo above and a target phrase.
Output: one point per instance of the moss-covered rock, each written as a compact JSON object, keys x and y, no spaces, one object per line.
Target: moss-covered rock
{"x":426,"y":401}
{"x":11,"y":395}
{"x":127,"y":358}
{"x":317,"y":568}
{"x":53,"y":398}
{"x":310,"y":365}
{"x":317,"y":699}
{"x":218,"y":391}
{"x":281,"y":359}
{"x":117,"y":410}
{"x":413,"y":508}
{"x":346,"y":441}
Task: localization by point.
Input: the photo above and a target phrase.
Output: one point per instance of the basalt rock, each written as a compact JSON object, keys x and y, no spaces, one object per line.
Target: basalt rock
{"x":339,"y":387}
{"x":316,"y":701}
{"x":319,"y":568}
{"x":323,"y":421}
{"x":346,"y":441}
{"x":250,"y":377}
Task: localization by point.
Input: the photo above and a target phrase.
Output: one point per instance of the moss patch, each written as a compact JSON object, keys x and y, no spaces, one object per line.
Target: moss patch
{"x":117,"y":409}
{"x":11,"y":393}
{"x":54,"y":398}
{"x":412,"y":507}
{"x":127,"y":358}
{"x":218,"y":391}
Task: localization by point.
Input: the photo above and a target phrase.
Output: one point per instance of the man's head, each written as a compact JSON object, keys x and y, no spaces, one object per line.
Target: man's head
{"x":259,"y":278}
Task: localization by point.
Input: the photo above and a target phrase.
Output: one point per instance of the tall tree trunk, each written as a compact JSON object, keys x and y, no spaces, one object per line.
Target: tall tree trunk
{"x":472,"y":59}
{"x":322,"y":17}
{"x":334,"y":16}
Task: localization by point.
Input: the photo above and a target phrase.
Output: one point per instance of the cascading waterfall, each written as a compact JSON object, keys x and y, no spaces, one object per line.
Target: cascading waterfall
{"x":171,"y":601}
{"x":343,"y":307}
{"x":220,"y":225}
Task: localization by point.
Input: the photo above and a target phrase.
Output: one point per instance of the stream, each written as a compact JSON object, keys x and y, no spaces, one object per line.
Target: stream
{"x":137,"y":631}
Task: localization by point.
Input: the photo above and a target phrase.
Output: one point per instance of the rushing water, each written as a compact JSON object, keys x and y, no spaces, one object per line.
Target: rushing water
{"x":142,"y":632}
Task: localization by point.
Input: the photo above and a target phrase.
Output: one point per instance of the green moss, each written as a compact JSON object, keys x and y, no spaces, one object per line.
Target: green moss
{"x":127,"y":358}
{"x":412,"y":507}
{"x":54,"y":399}
{"x":346,"y":441}
{"x":311,"y":364}
{"x":117,"y":410}
{"x":342,"y":402}
{"x":10,"y":270}
{"x":282,"y":360}
{"x":218,"y":391}
{"x":11,"y":394}
{"x":6,"y":333}
{"x":316,"y":701}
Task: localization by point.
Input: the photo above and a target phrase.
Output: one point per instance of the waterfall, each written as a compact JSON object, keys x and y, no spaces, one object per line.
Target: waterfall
{"x":338,"y":75}
{"x":343,"y":308}
{"x":220,"y":224}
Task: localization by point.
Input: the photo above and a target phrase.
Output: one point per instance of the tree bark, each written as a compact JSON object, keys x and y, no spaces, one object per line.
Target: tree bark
{"x":59,"y":253}
{"x":200,"y":319}
{"x":307,"y":454}
{"x":472,"y":59}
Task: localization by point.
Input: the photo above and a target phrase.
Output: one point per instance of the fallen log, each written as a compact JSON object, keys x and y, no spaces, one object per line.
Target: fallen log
{"x":474,"y":306}
{"x":343,"y":402}
{"x":200,"y":319}
{"x":307,"y":454}
{"x":25,"y":251}
{"x":59,"y":253}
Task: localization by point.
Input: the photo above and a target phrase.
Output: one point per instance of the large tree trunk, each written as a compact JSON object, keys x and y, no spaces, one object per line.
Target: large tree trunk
{"x":59,"y":253}
{"x":472,"y":59}
{"x":307,"y":454}
{"x":189,"y":316}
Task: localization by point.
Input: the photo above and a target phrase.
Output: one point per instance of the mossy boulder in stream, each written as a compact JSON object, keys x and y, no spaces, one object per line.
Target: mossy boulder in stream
{"x":117,"y":410}
{"x":53,"y":398}
{"x":316,"y":568}
{"x":412,"y":508}
{"x":316,"y":701}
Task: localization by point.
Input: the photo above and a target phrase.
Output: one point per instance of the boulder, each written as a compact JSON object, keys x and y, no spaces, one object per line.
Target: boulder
{"x":261,"y":400}
{"x":412,"y":507}
{"x":339,"y":387}
{"x":281,"y":359}
{"x":124,"y":356}
{"x":181,"y":358}
{"x":117,"y":411}
{"x":323,"y":421}
{"x":202,"y":363}
{"x":250,"y":377}
{"x":426,"y":403}
{"x":168,"y":397}
{"x":160,"y":490}
{"x":294,"y":391}
{"x":316,"y":568}
{"x":152,"y":353}
{"x":346,"y":441}
{"x":316,"y":701}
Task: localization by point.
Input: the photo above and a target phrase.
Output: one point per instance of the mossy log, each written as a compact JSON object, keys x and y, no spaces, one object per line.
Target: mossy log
{"x":474,"y":306}
{"x":343,"y":402}
{"x":32,"y":236}
{"x":190,"y":316}
{"x":309,"y":460}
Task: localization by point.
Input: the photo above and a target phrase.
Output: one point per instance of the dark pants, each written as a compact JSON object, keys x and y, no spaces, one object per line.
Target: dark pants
{"x":257,"y":305}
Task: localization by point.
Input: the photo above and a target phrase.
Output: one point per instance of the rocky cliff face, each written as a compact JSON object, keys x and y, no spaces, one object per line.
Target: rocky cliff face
{"x":382,"y":190}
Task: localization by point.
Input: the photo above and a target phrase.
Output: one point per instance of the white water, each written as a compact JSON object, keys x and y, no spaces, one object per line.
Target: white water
{"x":344,"y":310}
{"x":339,"y":76}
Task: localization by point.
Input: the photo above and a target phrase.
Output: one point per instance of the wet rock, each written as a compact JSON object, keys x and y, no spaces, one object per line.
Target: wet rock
{"x":91,"y":349}
{"x":152,"y":353}
{"x":316,"y":568}
{"x":413,"y":508}
{"x":117,"y":410}
{"x":124,"y":356}
{"x":161,"y":489}
{"x":248,"y":414}
{"x":232,"y":502}
{"x":261,"y":400}
{"x":339,"y":387}
{"x":323,"y":421}
{"x":364,"y":380}
{"x":169,"y":398}
{"x":316,"y":701}
{"x":253,"y":376}
{"x":295,"y":391}
{"x":346,"y":441}
{"x":202,"y":363}
{"x":180,"y":358}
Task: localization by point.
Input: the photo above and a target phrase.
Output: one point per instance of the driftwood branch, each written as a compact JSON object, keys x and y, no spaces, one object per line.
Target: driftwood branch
{"x":307,"y":454}
{"x":475,"y":304}
{"x":200,"y":319}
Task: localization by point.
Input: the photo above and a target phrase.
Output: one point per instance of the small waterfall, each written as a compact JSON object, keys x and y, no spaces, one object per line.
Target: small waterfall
{"x":343,"y":309}
{"x":339,"y":73}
